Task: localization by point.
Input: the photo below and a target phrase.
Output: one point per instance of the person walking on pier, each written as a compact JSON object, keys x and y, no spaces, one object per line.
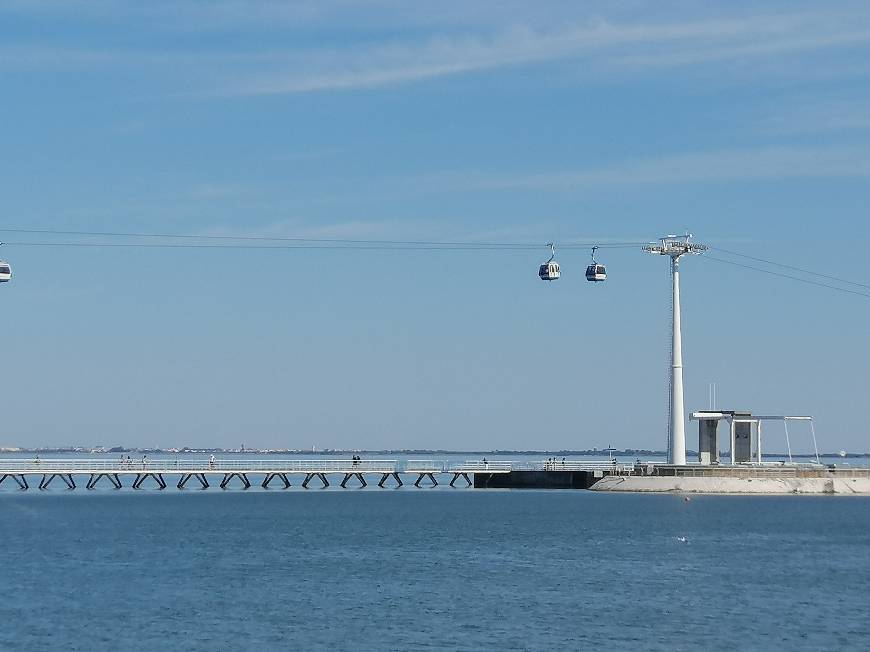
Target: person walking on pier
{"x":211,"y":461}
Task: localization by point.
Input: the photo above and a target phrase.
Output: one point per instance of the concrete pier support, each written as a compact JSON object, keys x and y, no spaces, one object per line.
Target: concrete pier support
{"x":431,"y":477}
{"x":387,"y":475}
{"x":456,"y":477}
{"x":66,"y":477}
{"x":241,"y":476}
{"x":309,"y":476}
{"x":21,"y":481}
{"x":96,"y":477}
{"x":141,"y":477}
{"x":271,"y":476}
{"x":348,"y":476}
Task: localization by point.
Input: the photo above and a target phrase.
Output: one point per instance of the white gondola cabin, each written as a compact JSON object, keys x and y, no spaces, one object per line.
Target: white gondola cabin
{"x":550,"y":271}
{"x":5,"y":271}
{"x":596,"y":272}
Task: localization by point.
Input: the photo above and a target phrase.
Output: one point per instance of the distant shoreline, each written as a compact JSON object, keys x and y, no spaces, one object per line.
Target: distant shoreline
{"x":627,"y":452}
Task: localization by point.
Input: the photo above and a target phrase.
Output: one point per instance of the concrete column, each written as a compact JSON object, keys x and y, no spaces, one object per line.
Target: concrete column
{"x":676,"y":433}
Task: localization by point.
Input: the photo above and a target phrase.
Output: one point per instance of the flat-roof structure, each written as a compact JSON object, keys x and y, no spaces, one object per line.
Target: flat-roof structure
{"x":745,"y":431}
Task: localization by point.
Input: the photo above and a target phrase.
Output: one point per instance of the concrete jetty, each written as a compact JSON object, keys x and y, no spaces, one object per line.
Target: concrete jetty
{"x":744,"y":478}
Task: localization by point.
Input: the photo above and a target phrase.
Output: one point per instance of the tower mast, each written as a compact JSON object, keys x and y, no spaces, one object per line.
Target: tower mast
{"x":676,"y":247}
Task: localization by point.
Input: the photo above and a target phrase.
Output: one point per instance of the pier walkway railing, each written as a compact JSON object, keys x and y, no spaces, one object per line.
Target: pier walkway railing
{"x":17,"y":469}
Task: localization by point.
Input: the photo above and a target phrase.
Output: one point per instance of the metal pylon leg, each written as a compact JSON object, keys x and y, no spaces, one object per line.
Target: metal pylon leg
{"x":323,"y":479}
{"x":22,"y":482}
{"x":395,"y":475}
{"x":432,"y":478}
{"x":307,"y":479}
{"x":183,"y":480}
{"x":465,"y":475}
{"x":115,"y":480}
{"x":344,"y":482}
{"x":229,"y":476}
{"x":203,"y":480}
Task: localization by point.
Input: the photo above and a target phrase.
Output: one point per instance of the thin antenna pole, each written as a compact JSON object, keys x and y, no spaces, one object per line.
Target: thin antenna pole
{"x":815,"y":446}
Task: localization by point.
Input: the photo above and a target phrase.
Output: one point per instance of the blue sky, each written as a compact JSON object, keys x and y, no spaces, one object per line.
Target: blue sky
{"x":472,"y":121}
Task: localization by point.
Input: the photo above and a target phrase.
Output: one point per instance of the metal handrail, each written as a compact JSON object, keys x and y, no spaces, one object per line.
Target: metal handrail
{"x":470,"y":466}
{"x":17,"y":466}
{"x":425,"y":466}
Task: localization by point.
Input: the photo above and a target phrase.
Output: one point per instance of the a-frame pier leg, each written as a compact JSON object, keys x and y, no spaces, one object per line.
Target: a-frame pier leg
{"x":346,"y":478}
{"x":141,"y":477}
{"x":229,"y":476}
{"x":432,"y":478}
{"x":203,"y":480}
{"x":96,"y":477}
{"x":46,"y":480}
{"x":323,"y":479}
{"x":183,"y":480}
{"x":21,"y":482}
{"x":362,"y":480}
{"x":307,"y":479}
{"x":271,"y":476}
{"x":395,"y":475}
{"x":68,"y":480}
{"x":467,"y":479}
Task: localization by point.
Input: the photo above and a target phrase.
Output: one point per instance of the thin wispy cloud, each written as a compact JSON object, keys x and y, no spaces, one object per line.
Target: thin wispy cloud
{"x":598,"y":45}
{"x":804,"y":115}
{"x":763,"y":163}
{"x":372,"y":60}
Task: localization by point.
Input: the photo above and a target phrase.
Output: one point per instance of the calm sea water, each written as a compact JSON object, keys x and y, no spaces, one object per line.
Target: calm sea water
{"x":430,"y":569}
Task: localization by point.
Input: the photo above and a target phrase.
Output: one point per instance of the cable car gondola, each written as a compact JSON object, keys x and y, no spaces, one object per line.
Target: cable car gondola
{"x":596,"y":272}
{"x":549,"y":271}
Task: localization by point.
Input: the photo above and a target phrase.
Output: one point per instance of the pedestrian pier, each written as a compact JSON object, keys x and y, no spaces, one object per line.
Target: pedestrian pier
{"x":227,"y":473}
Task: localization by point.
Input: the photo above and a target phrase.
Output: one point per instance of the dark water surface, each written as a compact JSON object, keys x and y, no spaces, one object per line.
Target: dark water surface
{"x":462,"y":569}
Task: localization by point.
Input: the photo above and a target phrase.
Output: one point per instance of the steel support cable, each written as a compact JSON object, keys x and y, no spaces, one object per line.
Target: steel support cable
{"x":792,"y":267}
{"x":331,"y":241}
{"x":788,"y":276}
